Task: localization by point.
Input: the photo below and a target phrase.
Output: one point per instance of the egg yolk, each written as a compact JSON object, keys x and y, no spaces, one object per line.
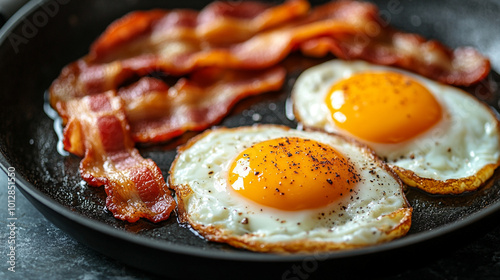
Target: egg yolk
{"x":292,"y":173}
{"x":382,"y":107}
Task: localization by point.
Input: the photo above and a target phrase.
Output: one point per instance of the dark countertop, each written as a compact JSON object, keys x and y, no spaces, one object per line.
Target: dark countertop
{"x":43,"y":251}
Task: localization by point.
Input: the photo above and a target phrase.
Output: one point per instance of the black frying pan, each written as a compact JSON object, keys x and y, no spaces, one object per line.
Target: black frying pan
{"x":46,"y":35}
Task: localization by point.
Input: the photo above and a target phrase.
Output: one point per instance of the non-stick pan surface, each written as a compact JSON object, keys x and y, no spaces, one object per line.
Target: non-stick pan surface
{"x":46,"y":35}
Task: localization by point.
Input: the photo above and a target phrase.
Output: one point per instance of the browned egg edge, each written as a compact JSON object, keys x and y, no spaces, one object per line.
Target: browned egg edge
{"x":449,"y":186}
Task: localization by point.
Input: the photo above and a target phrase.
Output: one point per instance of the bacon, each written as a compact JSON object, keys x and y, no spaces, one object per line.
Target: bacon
{"x":157,"y":112}
{"x":178,"y":42}
{"x":218,"y":24}
{"x":98,"y":131}
{"x":219,"y":55}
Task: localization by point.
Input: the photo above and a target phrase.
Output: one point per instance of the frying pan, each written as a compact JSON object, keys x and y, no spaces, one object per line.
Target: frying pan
{"x":45,"y":35}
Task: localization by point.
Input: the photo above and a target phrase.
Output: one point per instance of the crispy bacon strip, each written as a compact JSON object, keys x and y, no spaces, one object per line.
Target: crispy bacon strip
{"x":218,"y":24}
{"x":98,"y":131}
{"x":157,"y":112}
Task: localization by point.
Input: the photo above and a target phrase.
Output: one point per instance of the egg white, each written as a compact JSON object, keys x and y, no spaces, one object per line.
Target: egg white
{"x":465,"y":143}
{"x":376,"y":211}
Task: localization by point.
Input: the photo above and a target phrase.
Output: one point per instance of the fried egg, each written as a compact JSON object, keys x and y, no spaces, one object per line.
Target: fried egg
{"x":270,"y":188}
{"x":436,"y":137}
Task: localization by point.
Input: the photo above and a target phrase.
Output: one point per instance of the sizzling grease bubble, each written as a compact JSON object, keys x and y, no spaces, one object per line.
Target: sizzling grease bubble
{"x":256,"y":117}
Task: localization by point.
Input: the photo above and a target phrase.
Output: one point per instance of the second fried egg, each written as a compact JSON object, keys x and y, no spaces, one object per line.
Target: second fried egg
{"x":436,"y":137}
